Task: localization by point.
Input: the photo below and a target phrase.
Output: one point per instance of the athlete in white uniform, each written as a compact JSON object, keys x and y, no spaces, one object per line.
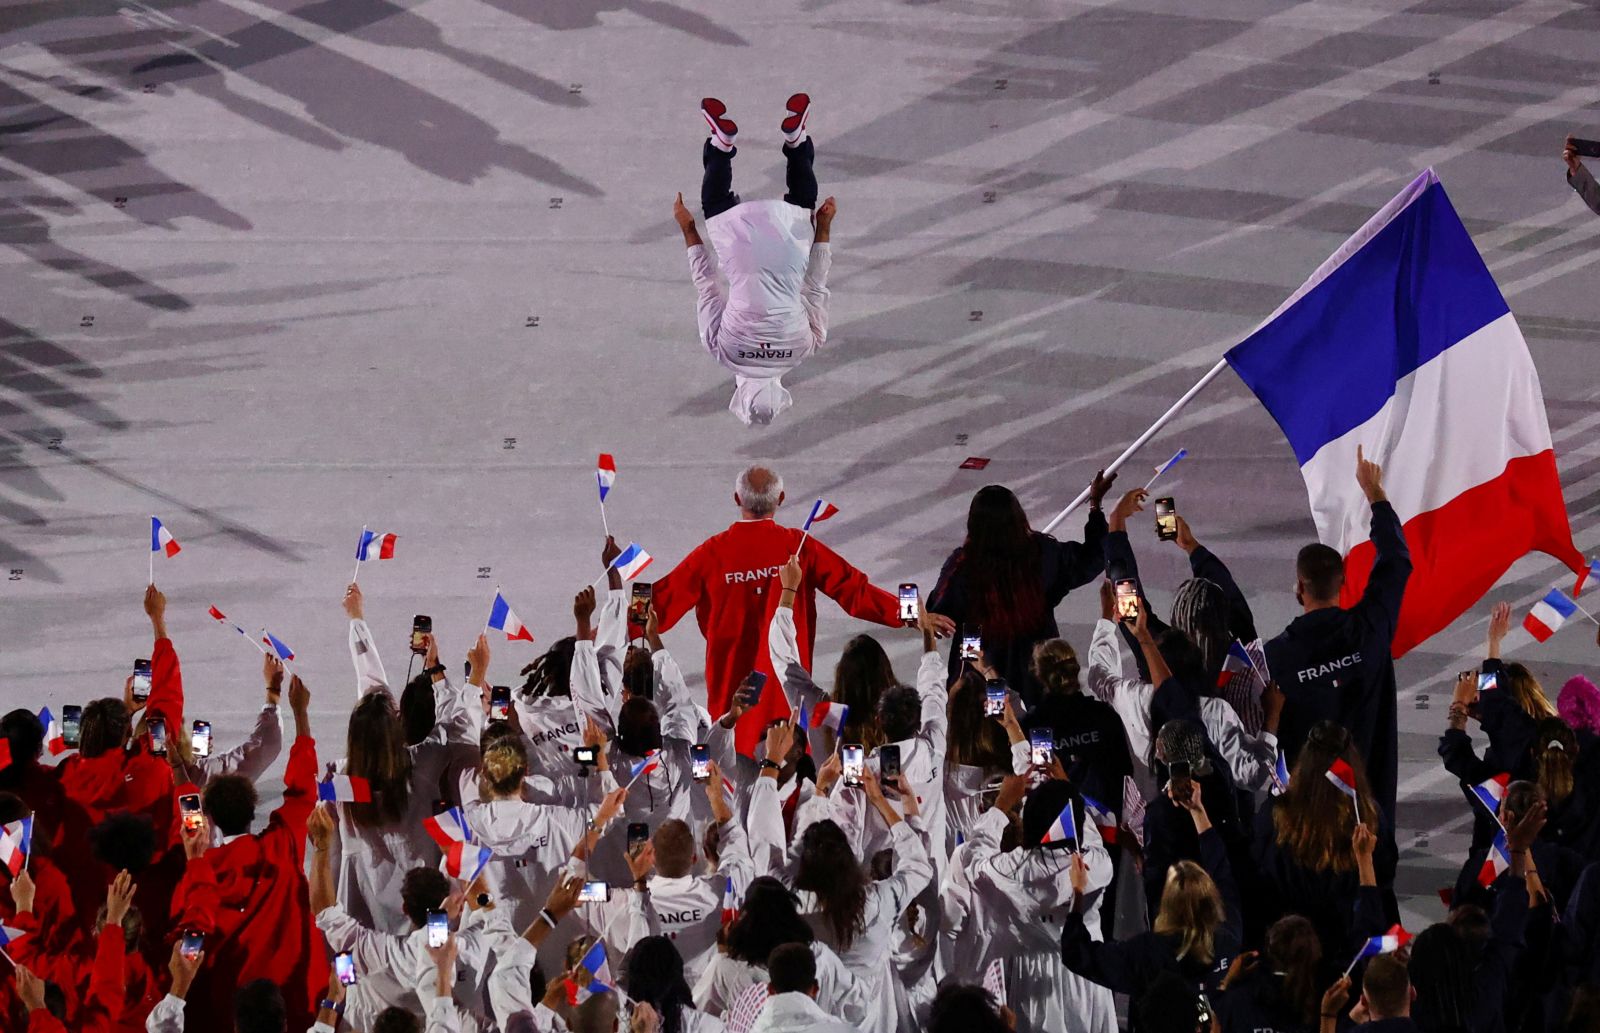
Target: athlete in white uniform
{"x":773,"y":312}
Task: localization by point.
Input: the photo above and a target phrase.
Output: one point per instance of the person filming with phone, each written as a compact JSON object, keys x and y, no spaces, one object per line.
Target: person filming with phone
{"x":1579,"y":177}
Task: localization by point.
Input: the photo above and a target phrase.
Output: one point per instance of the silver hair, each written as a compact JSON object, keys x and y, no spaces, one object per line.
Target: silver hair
{"x":759,"y":503}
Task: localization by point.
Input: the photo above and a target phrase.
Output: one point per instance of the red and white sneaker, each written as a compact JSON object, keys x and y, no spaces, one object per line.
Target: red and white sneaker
{"x":723,"y":129}
{"x":794,"y":127}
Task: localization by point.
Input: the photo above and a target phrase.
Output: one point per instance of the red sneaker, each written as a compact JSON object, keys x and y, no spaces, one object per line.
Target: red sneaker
{"x":794,"y":127}
{"x":723,"y":129}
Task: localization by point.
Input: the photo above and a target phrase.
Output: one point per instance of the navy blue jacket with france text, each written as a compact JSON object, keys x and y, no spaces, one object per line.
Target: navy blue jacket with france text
{"x":1334,"y":664}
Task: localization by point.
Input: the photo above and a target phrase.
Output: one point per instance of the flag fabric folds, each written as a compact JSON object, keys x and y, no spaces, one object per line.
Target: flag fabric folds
{"x":448,"y":827}
{"x":54,"y":740}
{"x":344,"y":789}
{"x":16,"y":842}
{"x":1064,"y":829}
{"x":1402,"y":343}
{"x":161,"y":539}
{"x":375,"y":545}
{"x":1101,"y":817}
{"x":821,"y":510}
{"x":630,"y":562}
{"x":1491,"y":791}
{"x":1549,"y":614}
{"x":830,"y":715}
{"x":605,"y":472}
{"x":1584,"y":576}
{"x":1496,"y":861}
{"x":275,"y":644}
{"x":503,"y":620}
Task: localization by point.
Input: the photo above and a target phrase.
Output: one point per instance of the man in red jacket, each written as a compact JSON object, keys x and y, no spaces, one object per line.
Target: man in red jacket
{"x":249,"y":895}
{"x":731,"y":582}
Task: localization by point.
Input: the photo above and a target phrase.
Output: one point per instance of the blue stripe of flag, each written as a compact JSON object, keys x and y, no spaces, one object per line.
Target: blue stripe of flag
{"x":1331,"y":360}
{"x":1558,"y":601}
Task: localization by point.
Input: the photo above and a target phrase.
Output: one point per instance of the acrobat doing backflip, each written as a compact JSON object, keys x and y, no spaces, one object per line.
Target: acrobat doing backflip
{"x":775,"y":257}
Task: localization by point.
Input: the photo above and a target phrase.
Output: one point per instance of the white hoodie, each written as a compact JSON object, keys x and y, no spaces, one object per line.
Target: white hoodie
{"x":797,"y":1013}
{"x":773,"y":313}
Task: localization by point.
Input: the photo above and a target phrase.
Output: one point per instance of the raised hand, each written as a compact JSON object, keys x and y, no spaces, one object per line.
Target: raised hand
{"x":1369,"y":476}
{"x":353,"y":604}
{"x":119,"y":897}
{"x":1100,"y":487}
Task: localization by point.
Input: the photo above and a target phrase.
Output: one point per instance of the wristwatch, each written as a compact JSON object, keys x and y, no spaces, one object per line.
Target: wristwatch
{"x":435,"y":669}
{"x":768,"y":762}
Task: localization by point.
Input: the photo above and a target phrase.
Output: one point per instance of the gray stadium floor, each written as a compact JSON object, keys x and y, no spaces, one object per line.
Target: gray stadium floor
{"x":269,"y":270}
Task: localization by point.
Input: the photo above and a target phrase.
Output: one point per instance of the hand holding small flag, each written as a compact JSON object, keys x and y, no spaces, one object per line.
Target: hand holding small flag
{"x":161,"y":541}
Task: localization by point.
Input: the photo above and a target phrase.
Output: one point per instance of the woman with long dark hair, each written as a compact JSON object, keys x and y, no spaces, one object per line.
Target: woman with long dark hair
{"x":769,"y":916}
{"x":1277,"y":988}
{"x":979,"y":753}
{"x":653,"y":975}
{"x":855,"y":915}
{"x":1005,"y":580}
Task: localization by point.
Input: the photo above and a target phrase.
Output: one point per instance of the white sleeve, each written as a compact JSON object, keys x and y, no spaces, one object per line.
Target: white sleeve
{"x":935,"y":701}
{"x":814,"y":291}
{"x":1105,"y":661}
{"x":799,"y":690}
{"x":364,"y":651}
{"x":442,"y":1016}
{"x":679,"y":720}
{"x":767,"y":843}
{"x":912,"y":868}
{"x":703,"y":269}
{"x":588,"y":686}
{"x":733,"y":851}
{"x":1021,"y":757}
{"x":166,"y":1016}
{"x":611,"y":639}
{"x":547,"y":1021}
{"x":838,"y":991}
{"x":457,"y":712}
{"x":255,"y":755}
{"x":1250,"y":759}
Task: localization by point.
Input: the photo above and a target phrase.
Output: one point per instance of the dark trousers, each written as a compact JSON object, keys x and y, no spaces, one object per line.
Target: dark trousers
{"x":716,"y":186}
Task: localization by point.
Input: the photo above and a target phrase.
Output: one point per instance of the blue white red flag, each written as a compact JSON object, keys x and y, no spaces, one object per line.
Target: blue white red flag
{"x":503,"y":620}
{"x":605,"y":472}
{"x":54,"y":741}
{"x":821,"y":510}
{"x":1491,"y":791}
{"x":448,"y":827}
{"x":16,"y":842}
{"x":1388,"y":943}
{"x":630,"y":562}
{"x":730,"y":902}
{"x":598,"y":968}
{"x":1177,"y":457}
{"x":161,"y":539}
{"x":275,"y":644}
{"x":1101,"y":817}
{"x":465,"y":860}
{"x":9,"y":935}
{"x":1591,"y":571}
{"x":375,"y":545}
{"x":830,"y":715}
{"x":646,"y":764}
{"x":1549,"y":614}
{"x":344,"y":789}
{"x":1064,"y":829}
{"x":1236,"y":663}
{"x":1280,"y":774}
{"x":1402,"y":343}
{"x":1497,"y":860}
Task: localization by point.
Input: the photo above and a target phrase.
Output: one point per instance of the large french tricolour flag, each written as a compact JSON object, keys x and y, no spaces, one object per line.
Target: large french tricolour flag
{"x":1402,"y":343}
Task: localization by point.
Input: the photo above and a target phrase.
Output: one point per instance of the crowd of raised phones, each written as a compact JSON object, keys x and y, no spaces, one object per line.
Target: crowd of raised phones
{"x":1147,"y":834}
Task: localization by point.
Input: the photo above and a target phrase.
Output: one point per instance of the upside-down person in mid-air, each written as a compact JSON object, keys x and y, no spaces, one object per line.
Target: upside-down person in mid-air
{"x":775,"y":257}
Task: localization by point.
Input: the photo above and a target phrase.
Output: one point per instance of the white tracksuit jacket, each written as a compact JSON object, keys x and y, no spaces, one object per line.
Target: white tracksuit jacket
{"x":773,"y":312}
{"x":1009,"y":905}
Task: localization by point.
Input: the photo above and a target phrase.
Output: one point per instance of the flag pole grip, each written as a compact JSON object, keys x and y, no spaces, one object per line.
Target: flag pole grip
{"x":1166,"y":418}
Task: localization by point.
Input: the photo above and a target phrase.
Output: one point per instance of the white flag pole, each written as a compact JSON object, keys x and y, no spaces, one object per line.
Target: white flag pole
{"x":1139,"y":442}
{"x":357,"y":575}
{"x":604,"y":523}
{"x":152,"y":550}
{"x":1586,"y":613}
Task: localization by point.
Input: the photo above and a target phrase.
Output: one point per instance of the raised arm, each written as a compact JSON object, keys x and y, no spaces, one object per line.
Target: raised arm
{"x":814,"y":289}
{"x":166,"y":674}
{"x":828,"y":572}
{"x":300,"y":776}
{"x":255,"y":755}
{"x":363,"y":648}
{"x":680,"y":590}
{"x":1386,"y":585}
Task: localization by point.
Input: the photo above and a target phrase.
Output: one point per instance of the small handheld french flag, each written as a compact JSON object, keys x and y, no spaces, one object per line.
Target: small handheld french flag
{"x":630,"y":562}
{"x":1591,"y":571}
{"x":644,"y":766}
{"x":1548,"y":614}
{"x":466,"y":860}
{"x":1064,"y":829}
{"x":9,"y":935}
{"x":54,"y":741}
{"x":1496,"y":861}
{"x":448,"y":828}
{"x":161,"y":539}
{"x":1237,"y":662}
{"x":1177,"y":457}
{"x":1388,"y":943}
{"x":16,"y":841}
{"x":344,"y":789}
{"x":1101,"y":817}
{"x":830,"y":715}
{"x":598,"y":966}
{"x":1280,"y":774}
{"x":277,"y":646}
{"x":502,"y":619}
{"x":730,"y":902}
{"x":1491,"y":791}
{"x":605,"y":472}
{"x":375,"y":545}
{"x":821,"y":510}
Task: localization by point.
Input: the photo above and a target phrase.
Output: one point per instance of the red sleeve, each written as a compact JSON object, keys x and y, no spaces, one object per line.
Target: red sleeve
{"x":166,"y":686}
{"x":299,"y":792}
{"x":679,"y":591}
{"x":196,"y":900}
{"x":828,"y":572}
{"x":27,"y":951}
{"x":108,"y":981}
{"x":41,"y":1021}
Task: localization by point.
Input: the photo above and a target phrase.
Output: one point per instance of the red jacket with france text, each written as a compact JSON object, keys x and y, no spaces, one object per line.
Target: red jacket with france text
{"x":731,"y":582}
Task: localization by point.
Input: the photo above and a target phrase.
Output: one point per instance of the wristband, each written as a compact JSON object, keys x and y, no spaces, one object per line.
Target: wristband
{"x":435,"y":669}
{"x":547,"y":918}
{"x":328,"y":1004}
{"x":768,"y":762}
{"x":794,"y":591}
